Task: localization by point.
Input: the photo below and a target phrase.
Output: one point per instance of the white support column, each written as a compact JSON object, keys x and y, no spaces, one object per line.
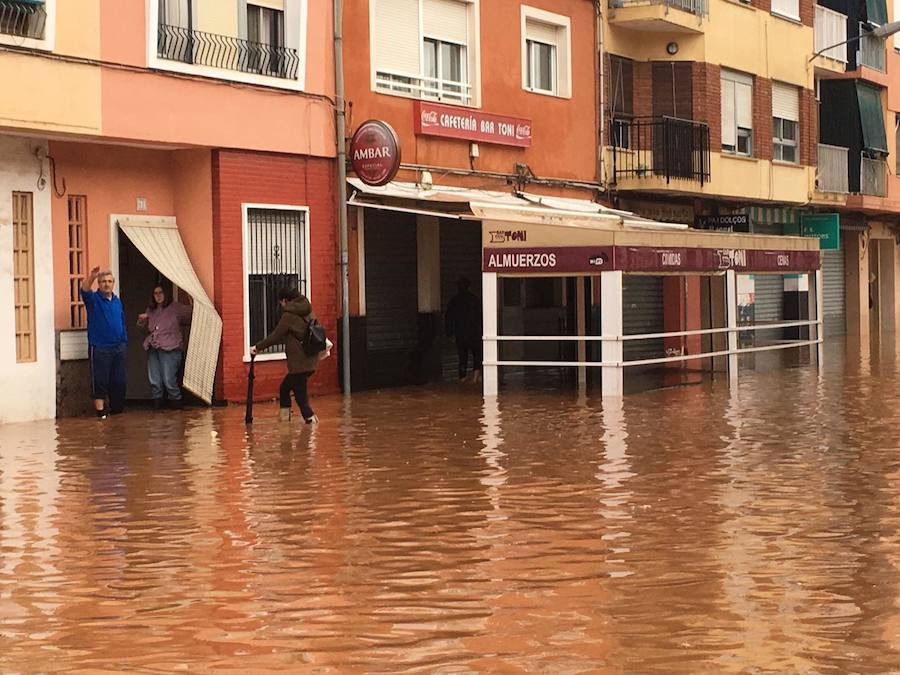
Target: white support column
{"x":582,"y":328}
{"x":816,"y":306}
{"x":732,"y":319}
{"x":611,"y":326}
{"x":489,"y":327}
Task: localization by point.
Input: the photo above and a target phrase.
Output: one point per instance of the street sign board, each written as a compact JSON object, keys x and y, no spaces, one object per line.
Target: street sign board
{"x":825,"y":226}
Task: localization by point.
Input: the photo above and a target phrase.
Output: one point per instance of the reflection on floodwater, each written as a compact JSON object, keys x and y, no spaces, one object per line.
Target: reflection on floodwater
{"x":683,"y":530}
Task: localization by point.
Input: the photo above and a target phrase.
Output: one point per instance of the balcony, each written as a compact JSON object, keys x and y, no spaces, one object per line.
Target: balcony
{"x":831,"y":29}
{"x":662,"y":148}
{"x":673,"y":16}
{"x":23,"y":18}
{"x":429,"y":88}
{"x":175,"y":43}
{"x":832,"y":174}
{"x":871,"y":51}
{"x":873,"y":177}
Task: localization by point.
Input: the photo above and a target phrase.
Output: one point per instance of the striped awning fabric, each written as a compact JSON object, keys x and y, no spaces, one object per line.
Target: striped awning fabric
{"x":158,"y":239}
{"x":767,"y":215}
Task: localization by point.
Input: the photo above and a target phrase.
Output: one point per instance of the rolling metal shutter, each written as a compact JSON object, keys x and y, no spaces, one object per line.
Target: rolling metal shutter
{"x":768,"y":289}
{"x":396,"y":38}
{"x":391,"y":281}
{"x":460,"y":256}
{"x":642,"y":312}
{"x":833,"y":291}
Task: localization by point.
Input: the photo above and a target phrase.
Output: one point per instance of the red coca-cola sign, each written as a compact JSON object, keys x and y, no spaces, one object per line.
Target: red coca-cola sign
{"x":375,"y":152}
{"x":437,"y":119}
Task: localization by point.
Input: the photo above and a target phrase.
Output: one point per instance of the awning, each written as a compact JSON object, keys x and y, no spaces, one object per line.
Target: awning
{"x":157,"y":238}
{"x":452,"y":202}
{"x":876,"y":12}
{"x":871,"y":118}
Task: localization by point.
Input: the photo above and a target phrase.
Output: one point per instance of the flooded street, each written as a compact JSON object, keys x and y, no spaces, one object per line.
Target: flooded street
{"x":688,"y":530}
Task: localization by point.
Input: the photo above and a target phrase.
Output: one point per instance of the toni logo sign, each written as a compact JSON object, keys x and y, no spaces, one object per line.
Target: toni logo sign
{"x":375,"y":152}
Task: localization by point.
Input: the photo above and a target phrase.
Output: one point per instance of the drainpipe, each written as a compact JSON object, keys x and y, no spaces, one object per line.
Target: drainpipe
{"x":340,"y":130}
{"x":599,"y":64}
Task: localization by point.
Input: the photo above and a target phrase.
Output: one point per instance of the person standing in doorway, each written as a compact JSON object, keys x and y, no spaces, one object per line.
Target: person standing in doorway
{"x":164,"y":344}
{"x":463,"y":321}
{"x":296,"y":314}
{"x":107,"y":342}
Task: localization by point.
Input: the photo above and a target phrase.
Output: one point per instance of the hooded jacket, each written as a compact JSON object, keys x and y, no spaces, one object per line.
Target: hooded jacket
{"x":290,"y":330}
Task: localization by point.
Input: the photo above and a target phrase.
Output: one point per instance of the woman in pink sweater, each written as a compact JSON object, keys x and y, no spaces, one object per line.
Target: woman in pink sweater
{"x":163,"y":321}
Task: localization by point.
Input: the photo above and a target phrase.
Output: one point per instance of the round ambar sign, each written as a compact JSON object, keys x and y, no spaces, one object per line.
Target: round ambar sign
{"x":375,"y":152}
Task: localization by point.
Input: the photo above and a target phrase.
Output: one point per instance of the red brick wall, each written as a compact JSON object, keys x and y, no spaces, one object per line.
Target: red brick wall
{"x":762,"y":118}
{"x":262,"y":178}
{"x":708,"y":101}
{"x":808,"y":12}
{"x":809,"y":127}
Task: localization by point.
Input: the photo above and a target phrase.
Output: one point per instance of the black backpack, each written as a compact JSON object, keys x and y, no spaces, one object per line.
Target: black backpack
{"x":314,"y":340}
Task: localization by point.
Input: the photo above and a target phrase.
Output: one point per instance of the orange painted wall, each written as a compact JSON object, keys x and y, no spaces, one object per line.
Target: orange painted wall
{"x":185,"y":110}
{"x":564,"y":129}
{"x":112,"y":177}
{"x":893,"y":107}
{"x":192,"y":182}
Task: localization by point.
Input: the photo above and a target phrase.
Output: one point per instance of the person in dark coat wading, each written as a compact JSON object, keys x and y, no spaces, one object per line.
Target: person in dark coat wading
{"x":463,"y":321}
{"x":291,"y":329}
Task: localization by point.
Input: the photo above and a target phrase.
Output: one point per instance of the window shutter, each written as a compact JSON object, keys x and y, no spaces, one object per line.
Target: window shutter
{"x":396,"y":37}
{"x":446,"y":20}
{"x":542,"y":32}
{"x":743,"y":104}
{"x":729,"y":134}
{"x":789,"y":8}
{"x":785,"y":102}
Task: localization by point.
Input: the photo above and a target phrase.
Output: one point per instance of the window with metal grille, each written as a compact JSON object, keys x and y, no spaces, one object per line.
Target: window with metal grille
{"x":23,"y":276}
{"x":77,"y":252}
{"x":276,"y":255}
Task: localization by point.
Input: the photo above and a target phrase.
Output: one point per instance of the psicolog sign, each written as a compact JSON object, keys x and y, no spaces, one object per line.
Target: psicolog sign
{"x":375,"y":152}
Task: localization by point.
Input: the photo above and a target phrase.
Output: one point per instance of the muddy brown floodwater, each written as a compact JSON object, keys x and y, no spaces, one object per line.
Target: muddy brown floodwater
{"x":687,"y":530}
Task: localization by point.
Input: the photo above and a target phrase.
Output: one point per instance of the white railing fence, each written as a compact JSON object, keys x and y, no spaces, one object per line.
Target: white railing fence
{"x":871,"y":50}
{"x":873,"y":177}
{"x":782,"y":344}
{"x":431,"y":88}
{"x":833,"y":166}
{"x":831,"y":29}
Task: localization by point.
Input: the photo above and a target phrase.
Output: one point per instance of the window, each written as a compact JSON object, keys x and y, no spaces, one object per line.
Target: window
{"x":785,"y":122}
{"x":23,"y":276}
{"x":265,"y":33}
{"x":621,"y":100}
{"x":23,"y":18}
{"x":737,"y":113}
{"x":445,"y":70}
{"x":420,"y":48}
{"x":276,"y":254}
{"x":788,"y":8}
{"x":546,"y":66}
{"x":77,"y":247}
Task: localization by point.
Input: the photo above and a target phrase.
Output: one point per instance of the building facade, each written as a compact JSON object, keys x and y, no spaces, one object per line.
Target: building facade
{"x":185,"y":140}
{"x":739,"y":116}
{"x":475,"y":108}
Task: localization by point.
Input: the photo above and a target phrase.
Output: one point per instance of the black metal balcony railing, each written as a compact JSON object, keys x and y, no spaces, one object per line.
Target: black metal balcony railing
{"x":223,"y":51}
{"x":667,"y":147}
{"x":23,"y":19}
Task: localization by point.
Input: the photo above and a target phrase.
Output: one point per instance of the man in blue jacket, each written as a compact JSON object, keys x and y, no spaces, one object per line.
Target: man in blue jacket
{"x":107,"y":342}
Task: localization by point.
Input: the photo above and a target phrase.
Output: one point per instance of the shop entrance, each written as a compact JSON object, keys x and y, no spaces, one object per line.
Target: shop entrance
{"x":136,"y":280}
